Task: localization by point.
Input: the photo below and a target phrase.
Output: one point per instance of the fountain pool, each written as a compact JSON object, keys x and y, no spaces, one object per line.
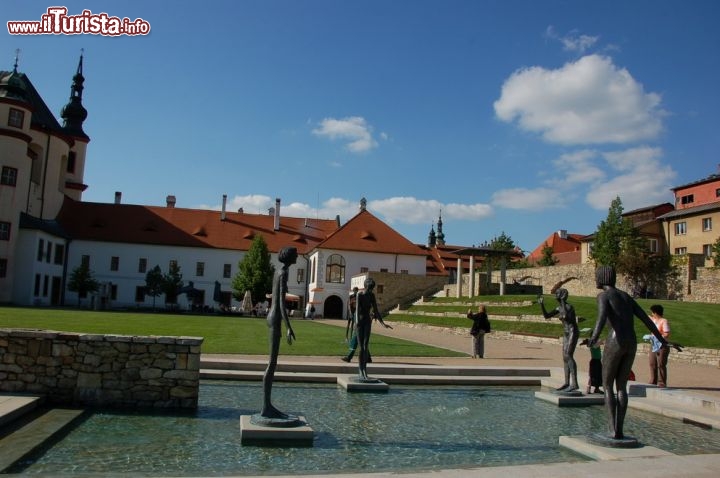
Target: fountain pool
{"x":407,"y":428}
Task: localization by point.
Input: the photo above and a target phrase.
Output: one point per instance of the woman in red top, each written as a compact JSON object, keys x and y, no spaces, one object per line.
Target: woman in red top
{"x":658,"y":357}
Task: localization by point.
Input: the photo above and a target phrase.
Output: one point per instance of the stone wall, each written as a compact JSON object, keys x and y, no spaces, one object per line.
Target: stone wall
{"x":705,"y":287}
{"x":403,"y":289}
{"x":116,"y":371}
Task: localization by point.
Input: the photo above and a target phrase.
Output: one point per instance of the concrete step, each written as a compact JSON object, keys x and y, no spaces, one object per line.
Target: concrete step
{"x":397,"y":379}
{"x":342,"y":368}
{"x":13,"y":407}
{"x":28,"y":438}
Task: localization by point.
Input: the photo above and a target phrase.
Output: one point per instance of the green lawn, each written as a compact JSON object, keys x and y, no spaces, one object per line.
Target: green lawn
{"x":692,"y":324}
{"x":222,"y":334}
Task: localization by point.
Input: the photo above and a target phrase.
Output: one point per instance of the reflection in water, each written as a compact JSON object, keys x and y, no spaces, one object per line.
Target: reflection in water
{"x":407,"y":428}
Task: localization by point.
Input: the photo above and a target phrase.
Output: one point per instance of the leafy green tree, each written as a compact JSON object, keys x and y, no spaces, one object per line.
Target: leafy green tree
{"x":255,"y":272}
{"x":547,"y":256}
{"x":610,"y":235}
{"x":716,"y":252}
{"x":154,"y":283}
{"x":172,"y":282}
{"x":81,"y":280}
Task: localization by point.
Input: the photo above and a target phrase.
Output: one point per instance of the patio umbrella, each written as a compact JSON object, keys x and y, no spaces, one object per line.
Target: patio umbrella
{"x":247,"y":304}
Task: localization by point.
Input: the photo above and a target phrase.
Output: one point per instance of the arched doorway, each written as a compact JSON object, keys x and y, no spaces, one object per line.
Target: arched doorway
{"x":333,"y":308}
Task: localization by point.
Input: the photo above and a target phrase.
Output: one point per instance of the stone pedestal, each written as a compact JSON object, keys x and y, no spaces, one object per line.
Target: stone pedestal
{"x":569,"y":400}
{"x":353,"y":383}
{"x":295,"y":432}
{"x":584,"y":445}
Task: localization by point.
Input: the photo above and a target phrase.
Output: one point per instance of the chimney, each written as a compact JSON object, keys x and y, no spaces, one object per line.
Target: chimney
{"x":170,"y":200}
{"x":241,"y":210}
{"x":118,"y":197}
{"x":276,"y":224}
{"x":562,"y":233}
{"x":224,"y":203}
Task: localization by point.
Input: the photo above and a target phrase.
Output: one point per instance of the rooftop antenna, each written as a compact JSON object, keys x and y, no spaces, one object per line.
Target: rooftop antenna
{"x":17,"y":59}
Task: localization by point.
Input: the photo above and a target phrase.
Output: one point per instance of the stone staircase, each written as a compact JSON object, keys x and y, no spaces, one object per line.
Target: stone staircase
{"x":25,"y":426}
{"x":405,"y":374}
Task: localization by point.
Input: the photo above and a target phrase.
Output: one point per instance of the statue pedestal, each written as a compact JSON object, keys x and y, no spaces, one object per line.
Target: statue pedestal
{"x":568,"y":400}
{"x":294,"y":432}
{"x":586,"y":446}
{"x":353,"y":383}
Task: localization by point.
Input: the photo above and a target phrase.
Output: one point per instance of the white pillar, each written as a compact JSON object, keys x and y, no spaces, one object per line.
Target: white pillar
{"x":458,"y":288}
{"x":503,"y":266}
{"x":472,"y":276}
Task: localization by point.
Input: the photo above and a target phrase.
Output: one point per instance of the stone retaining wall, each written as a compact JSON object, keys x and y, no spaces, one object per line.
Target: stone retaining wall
{"x":117,"y":371}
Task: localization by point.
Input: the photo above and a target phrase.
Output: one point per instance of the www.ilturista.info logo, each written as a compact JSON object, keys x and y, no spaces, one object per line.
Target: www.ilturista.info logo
{"x":57,"y":22}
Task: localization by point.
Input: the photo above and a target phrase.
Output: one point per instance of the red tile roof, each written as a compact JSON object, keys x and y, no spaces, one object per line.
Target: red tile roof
{"x":170,"y":226}
{"x":567,"y":249}
{"x":366,"y":233}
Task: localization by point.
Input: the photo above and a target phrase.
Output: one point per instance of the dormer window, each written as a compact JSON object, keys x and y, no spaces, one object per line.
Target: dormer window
{"x":16,"y":118}
{"x":688,"y":199}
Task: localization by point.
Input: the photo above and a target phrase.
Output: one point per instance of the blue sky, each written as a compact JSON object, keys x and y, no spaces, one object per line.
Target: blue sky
{"x":512,"y":116}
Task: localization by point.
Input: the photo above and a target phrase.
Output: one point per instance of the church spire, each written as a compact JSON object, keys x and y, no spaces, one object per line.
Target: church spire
{"x":440,"y":233}
{"x":74,"y":113}
{"x":431,"y":236}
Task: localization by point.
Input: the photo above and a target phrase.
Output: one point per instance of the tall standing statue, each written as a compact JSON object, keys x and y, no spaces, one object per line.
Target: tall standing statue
{"x":365,"y":308}
{"x":617,"y":308}
{"x":571,"y":334}
{"x":276,"y":315}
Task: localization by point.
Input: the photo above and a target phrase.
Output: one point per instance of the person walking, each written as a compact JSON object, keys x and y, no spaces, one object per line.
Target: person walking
{"x":658,"y":356}
{"x":480,"y":327}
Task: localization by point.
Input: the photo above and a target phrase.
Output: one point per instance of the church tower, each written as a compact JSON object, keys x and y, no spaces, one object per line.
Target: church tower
{"x":440,"y":233}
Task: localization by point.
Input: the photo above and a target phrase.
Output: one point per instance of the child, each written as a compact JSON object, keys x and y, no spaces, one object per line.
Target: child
{"x":595,"y":374}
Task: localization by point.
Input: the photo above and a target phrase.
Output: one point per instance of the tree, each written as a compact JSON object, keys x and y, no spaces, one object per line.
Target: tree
{"x":154,"y":283}
{"x":172,"y":282}
{"x":609,"y":236}
{"x":547,"y":256}
{"x":82,"y":281}
{"x":503,"y":242}
{"x":255,"y":272}
{"x":716,"y":252}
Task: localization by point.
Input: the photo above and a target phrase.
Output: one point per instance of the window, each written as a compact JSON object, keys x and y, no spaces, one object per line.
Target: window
{"x":300,"y":276}
{"x":85,"y":261}
{"x":48,"y":252}
{"x":71,"y":162}
{"x":680,"y":251}
{"x":142,"y":265}
{"x":16,"y":118}
{"x":717,"y":193}
{"x":380,"y":288}
{"x":9,"y":176}
{"x":653,"y":245}
{"x":3,"y":267}
{"x":114,"y":263}
{"x":46,"y":285}
{"x":312,"y":271}
{"x":227,"y":271}
{"x":383,"y":269}
{"x":41,"y":250}
{"x":172,"y":264}
{"x":335,"y":269}
{"x":139,"y":293}
{"x":680,"y":228}
{"x":4,"y":231}
{"x":363,"y":270}
{"x":689,"y":199}
{"x":59,"y":253}
{"x":36,"y":290}
{"x":403,"y":271}
{"x":200,"y":269}
{"x":707,"y":224}
{"x":708,"y":250}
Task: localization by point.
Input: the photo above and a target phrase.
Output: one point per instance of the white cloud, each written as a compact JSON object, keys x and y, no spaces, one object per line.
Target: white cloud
{"x":410,"y":210}
{"x":530,"y":199}
{"x":573,"y":41}
{"x":577,"y":168}
{"x":590,"y":101}
{"x":641,"y":180}
{"x":354,"y":129}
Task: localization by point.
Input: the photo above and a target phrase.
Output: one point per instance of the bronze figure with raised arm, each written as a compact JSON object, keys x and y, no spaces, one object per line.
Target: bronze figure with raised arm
{"x":365,"y":308}
{"x":571,"y":333}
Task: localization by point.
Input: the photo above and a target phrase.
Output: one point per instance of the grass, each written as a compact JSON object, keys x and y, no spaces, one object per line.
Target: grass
{"x":692,"y":324}
{"x":222,"y":334}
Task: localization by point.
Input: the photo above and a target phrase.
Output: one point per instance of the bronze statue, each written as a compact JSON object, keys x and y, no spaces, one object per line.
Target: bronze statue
{"x":571,"y":333}
{"x":617,"y":308}
{"x":366,"y":307}
{"x":276,"y":315}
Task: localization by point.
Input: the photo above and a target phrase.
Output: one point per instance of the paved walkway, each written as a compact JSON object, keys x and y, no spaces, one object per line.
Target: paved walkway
{"x":700,"y":378}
